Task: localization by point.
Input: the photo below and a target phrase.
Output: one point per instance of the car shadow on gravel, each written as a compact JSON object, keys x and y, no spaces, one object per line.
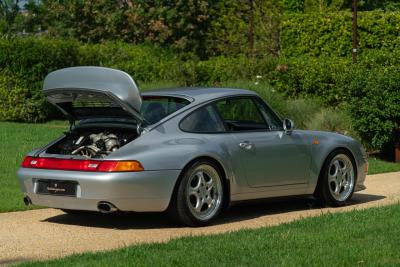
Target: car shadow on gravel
{"x":238,"y":212}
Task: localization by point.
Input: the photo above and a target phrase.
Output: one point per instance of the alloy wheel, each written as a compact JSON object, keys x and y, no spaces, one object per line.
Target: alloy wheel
{"x":341,"y":177}
{"x":204,"y":192}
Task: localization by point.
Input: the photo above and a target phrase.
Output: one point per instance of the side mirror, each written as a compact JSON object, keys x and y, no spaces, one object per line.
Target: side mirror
{"x":288,"y":126}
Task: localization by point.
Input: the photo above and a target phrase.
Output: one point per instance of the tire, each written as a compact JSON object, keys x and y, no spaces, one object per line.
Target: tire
{"x":199,"y":197}
{"x":337,"y":179}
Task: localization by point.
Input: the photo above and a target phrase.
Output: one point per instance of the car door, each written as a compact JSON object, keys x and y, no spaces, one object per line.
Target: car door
{"x":270,"y":156}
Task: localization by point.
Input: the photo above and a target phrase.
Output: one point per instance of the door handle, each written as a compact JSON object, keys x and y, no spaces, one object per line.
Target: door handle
{"x":246,"y":145}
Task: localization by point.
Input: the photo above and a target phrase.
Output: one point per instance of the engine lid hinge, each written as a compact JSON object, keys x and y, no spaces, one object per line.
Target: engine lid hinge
{"x":71,"y":123}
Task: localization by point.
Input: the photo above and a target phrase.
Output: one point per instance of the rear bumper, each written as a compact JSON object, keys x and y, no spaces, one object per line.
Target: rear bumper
{"x":145,"y":191}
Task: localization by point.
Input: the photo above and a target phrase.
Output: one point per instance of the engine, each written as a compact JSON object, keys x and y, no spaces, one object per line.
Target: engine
{"x":100,"y":145}
{"x":92,"y":145}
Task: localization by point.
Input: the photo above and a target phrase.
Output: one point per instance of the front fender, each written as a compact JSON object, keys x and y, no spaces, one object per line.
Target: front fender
{"x":328,"y":142}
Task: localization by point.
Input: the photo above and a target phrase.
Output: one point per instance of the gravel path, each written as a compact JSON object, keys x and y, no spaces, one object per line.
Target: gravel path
{"x":49,"y":233}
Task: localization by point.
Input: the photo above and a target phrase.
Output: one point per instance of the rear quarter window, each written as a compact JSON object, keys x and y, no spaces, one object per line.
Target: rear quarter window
{"x":202,"y":120}
{"x":155,"y":108}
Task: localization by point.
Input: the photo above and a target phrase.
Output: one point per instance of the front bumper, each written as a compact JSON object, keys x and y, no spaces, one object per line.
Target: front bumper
{"x":144,"y":191}
{"x":361,"y":175}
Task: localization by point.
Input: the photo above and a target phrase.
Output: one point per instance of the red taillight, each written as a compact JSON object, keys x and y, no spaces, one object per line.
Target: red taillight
{"x":27,"y":162}
{"x":82,"y":165}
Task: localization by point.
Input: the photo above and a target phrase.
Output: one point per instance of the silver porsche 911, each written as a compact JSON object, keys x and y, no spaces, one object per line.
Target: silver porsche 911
{"x":189,"y":151}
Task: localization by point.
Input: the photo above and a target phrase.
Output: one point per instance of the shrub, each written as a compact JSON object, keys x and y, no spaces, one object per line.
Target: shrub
{"x":312,"y":77}
{"x":333,"y":120}
{"x":31,"y":59}
{"x":330,"y":34}
{"x":301,"y":111}
{"x":18,"y":103}
{"x":24,"y":62}
{"x":144,"y":63}
{"x":375,"y":105}
{"x":34,"y":58}
{"x":369,"y":89}
{"x":219,"y":70}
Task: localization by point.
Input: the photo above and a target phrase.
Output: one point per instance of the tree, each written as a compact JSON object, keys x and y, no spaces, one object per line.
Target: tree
{"x":268,"y":15}
{"x":8,"y":12}
{"x":179,"y":24}
{"x":245,"y":27}
{"x":202,"y":27}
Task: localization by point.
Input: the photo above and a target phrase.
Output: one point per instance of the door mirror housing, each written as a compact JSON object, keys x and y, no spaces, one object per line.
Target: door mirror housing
{"x":288,"y":126}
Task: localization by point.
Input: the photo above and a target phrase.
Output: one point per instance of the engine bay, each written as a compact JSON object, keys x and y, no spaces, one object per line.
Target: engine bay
{"x":92,"y":143}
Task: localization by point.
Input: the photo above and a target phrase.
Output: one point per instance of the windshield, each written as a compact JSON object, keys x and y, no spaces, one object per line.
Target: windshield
{"x":155,"y":108}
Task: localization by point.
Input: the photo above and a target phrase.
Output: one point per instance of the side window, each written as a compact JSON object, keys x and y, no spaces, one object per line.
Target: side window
{"x":203,"y":120}
{"x":270,"y":117}
{"x":241,"y":114}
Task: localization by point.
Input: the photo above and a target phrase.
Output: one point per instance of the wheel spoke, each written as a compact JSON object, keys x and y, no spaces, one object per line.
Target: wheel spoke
{"x":332,"y":178}
{"x":337,"y":188}
{"x":198,"y":184}
{"x":209,"y":183}
{"x":199,"y":204}
{"x":201,"y":176}
{"x":209,"y":188}
{"x":194,"y":193}
{"x":196,"y":188}
{"x":337,"y":167}
{"x":344,"y":169}
{"x":341,"y":177}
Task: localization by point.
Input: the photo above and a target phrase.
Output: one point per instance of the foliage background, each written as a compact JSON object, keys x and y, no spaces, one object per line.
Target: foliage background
{"x":300,"y":49}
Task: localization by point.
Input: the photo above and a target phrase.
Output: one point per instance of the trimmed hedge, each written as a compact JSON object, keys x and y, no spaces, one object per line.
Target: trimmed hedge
{"x":33,"y":58}
{"x":17,"y":103}
{"x":24,"y":63}
{"x":312,"y":77}
{"x":375,"y":104}
{"x":333,"y":81}
{"x":330,"y":34}
{"x":144,"y":63}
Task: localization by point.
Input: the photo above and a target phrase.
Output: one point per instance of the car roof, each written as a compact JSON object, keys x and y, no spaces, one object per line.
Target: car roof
{"x":199,"y":94}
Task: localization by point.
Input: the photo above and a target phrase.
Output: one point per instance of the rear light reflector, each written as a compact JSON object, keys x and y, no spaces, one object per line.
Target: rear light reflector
{"x":82,"y":165}
{"x":120,"y":166}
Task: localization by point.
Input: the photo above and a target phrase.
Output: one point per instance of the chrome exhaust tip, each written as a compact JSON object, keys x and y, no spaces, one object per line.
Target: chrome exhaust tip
{"x":106,"y":207}
{"x":27,"y":201}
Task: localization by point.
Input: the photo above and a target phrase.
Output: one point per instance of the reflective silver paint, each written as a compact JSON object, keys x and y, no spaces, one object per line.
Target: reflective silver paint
{"x":114,"y":84}
{"x":278,"y":163}
{"x":134,"y":191}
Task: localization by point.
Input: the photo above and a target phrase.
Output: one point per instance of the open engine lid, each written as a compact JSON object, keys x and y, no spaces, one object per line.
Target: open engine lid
{"x":93,"y":92}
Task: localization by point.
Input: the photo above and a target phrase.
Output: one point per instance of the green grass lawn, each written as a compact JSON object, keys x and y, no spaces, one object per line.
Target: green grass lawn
{"x":16,"y":139}
{"x":380,"y":166}
{"x":359,"y":238}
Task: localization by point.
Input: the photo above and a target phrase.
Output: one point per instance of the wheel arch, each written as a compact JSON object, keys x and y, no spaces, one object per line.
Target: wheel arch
{"x":352,"y":157}
{"x":221,"y":169}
